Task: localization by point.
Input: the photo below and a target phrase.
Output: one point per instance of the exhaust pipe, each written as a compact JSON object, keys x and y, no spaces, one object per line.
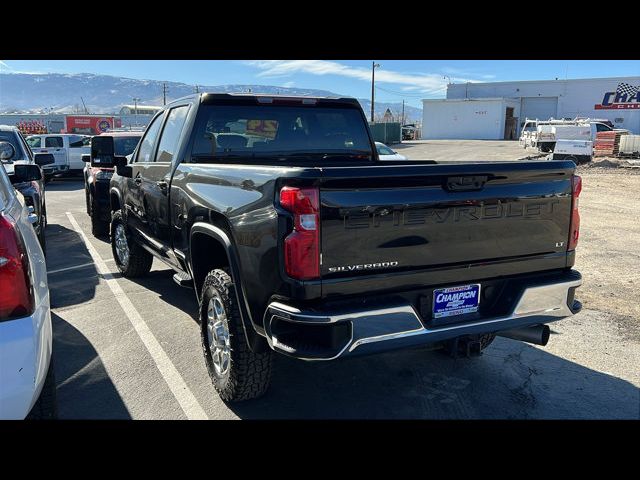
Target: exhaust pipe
{"x":538,"y":334}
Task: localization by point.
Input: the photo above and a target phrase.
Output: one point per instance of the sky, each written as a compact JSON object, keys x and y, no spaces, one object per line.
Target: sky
{"x":411,"y":80}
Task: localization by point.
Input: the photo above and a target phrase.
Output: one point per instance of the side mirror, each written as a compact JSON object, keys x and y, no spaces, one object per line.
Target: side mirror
{"x":102,"y":152}
{"x":122,"y":167}
{"x":6,"y":151}
{"x":86,"y":158}
{"x":43,"y":159}
{"x":25,"y":172}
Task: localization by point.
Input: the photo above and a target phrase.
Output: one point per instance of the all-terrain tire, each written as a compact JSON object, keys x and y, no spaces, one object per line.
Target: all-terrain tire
{"x":86,"y":201}
{"x":486,"y":340}
{"x":139,"y":262}
{"x":249,"y":373}
{"x":99,"y":228}
{"x":46,"y":407}
{"x":42,"y":238}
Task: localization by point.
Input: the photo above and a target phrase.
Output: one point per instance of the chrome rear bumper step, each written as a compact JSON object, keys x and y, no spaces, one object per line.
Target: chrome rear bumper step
{"x":398,"y":324}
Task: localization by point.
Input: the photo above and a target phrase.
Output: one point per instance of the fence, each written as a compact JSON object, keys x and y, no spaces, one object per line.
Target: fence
{"x":386,"y":132}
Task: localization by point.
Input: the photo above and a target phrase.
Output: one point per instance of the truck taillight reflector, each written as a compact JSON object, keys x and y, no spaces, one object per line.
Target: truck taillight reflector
{"x":574,"y":227}
{"x":302,"y":246}
{"x":16,"y":298}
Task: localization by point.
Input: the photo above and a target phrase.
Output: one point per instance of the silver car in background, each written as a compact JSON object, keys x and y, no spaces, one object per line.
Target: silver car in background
{"x":27,"y":386}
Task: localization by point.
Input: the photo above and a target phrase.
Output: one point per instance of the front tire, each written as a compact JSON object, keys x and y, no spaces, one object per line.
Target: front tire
{"x":131,"y":259}
{"x":236,"y":372}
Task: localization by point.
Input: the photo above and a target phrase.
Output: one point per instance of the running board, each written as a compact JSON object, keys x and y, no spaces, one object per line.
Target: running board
{"x":183,"y":279}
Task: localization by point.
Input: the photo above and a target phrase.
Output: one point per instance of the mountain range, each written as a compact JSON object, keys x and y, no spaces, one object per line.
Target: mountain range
{"x":69,"y":93}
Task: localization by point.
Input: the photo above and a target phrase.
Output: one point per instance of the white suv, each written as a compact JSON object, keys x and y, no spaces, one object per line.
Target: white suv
{"x":26,"y":374}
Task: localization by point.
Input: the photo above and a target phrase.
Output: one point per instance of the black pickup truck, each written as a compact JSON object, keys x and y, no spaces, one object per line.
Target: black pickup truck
{"x":297,"y":239}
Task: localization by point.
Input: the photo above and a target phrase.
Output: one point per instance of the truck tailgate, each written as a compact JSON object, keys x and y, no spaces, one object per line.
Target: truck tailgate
{"x":401,"y":218}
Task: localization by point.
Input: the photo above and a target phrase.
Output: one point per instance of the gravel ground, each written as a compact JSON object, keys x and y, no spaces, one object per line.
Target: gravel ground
{"x":607,"y":254}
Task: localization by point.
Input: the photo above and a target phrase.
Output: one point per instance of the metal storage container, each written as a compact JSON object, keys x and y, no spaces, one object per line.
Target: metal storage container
{"x":629,"y":144}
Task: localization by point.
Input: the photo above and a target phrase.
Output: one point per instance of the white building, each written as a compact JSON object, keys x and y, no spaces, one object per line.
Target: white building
{"x":139,"y":109}
{"x":482,"y":110}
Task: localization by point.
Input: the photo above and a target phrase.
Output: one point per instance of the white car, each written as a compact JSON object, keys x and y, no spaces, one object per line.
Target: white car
{"x":67,"y":150}
{"x":385,"y":153}
{"x":26,"y":374}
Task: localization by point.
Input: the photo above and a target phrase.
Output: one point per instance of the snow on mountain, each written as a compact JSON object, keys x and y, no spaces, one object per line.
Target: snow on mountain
{"x":64,"y":93}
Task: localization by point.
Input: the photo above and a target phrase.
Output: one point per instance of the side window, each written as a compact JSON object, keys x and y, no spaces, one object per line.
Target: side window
{"x":53,"y":142}
{"x":601,"y":127}
{"x":25,"y":147}
{"x":76,"y":142}
{"x":171,"y":134}
{"x":34,"y":142}
{"x":145,"y":150}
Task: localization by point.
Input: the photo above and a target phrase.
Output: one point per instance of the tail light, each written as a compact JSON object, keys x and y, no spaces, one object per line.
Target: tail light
{"x":16,"y":297}
{"x":574,"y":227}
{"x":302,"y":246}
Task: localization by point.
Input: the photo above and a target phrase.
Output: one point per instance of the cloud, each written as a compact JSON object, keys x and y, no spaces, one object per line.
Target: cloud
{"x":3,"y":65}
{"x":289,"y":84}
{"x":429,"y":83}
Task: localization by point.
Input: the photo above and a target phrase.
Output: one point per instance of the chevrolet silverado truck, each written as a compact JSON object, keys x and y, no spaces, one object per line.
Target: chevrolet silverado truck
{"x":298,"y":239}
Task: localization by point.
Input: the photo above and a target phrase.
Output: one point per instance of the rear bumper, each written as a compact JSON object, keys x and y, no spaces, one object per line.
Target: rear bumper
{"x":25,"y":354}
{"x":315,"y":334}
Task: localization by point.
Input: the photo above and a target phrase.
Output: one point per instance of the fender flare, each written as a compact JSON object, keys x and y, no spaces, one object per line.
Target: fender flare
{"x":115,"y":191}
{"x":223,"y":238}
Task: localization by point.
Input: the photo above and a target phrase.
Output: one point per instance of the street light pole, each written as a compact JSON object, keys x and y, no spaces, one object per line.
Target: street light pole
{"x":374,"y":65}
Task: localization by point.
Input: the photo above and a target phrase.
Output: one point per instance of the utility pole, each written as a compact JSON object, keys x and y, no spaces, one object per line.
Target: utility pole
{"x":374,"y":65}
{"x":85,"y":107}
{"x":403,"y":111}
{"x":135,"y":109}
{"x":164,"y":93}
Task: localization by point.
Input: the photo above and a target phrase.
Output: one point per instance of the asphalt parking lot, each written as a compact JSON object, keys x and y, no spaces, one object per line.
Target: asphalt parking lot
{"x":465,"y":150}
{"x":131,"y":349}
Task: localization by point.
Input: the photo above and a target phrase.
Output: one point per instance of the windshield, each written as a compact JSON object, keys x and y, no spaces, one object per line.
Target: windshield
{"x":124,"y":146}
{"x":251,"y":131}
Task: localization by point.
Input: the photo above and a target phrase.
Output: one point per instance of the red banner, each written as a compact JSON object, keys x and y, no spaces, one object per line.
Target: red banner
{"x":89,"y":125}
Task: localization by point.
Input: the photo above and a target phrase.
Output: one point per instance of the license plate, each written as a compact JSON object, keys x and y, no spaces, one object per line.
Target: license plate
{"x":456,"y":300}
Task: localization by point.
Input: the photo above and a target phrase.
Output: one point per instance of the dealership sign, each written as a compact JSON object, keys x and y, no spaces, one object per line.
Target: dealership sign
{"x":625,"y":97}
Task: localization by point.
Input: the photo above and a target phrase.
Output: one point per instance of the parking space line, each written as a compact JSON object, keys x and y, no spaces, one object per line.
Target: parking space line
{"x":66,"y":269}
{"x":172,"y":377}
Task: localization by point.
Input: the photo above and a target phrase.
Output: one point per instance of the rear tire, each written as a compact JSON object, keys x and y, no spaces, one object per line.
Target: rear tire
{"x":42,"y":238}
{"x":131,"y":259}
{"x":86,"y":201}
{"x":236,"y":372}
{"x":486,"y":340}
{"x":99,"y":228}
